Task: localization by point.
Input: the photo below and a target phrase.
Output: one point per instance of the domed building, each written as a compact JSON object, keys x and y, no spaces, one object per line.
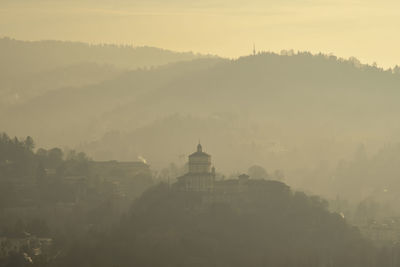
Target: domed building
{"x":201,"y":175}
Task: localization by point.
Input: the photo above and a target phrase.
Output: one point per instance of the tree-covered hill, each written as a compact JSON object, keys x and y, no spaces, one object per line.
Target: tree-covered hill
{"x":270,"y":226}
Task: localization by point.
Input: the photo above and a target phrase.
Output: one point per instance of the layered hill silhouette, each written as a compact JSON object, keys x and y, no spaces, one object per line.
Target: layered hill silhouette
{"x":306,"y":93}
{"x":28,"y":69}
{"x":25,"y":56}
{"x":81,"y":111}
{"x":288,"y":111}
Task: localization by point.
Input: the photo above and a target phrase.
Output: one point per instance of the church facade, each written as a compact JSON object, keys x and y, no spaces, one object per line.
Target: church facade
{"x":201,"y":175}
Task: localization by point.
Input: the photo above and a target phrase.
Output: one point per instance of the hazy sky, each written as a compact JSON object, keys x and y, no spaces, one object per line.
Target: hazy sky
{"x":366,"y":29}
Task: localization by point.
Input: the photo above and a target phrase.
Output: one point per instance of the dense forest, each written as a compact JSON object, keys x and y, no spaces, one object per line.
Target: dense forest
{"x":57,"y":195}
{"x":20,"y":165}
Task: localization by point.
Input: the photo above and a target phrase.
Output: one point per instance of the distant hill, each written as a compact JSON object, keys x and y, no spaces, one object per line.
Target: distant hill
{"x":298,"y":89}
{"x":288,"y":112}
{"x":28,"y":69}
{"x":24,"y":56}
{"x":317,"y":106}
{"x":24,"y":87}
{"x":79,"y":111}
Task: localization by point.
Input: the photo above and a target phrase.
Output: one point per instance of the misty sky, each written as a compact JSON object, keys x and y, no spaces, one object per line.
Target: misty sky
{"x":366,"y":29}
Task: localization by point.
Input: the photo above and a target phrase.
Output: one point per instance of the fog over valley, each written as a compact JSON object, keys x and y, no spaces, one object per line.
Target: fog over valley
{"x":214,"y":133}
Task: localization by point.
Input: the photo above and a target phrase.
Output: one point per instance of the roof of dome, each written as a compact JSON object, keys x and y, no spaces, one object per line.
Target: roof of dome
{"x":199,"y":152}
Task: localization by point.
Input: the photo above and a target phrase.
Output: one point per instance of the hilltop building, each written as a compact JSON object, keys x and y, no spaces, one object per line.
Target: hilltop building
{"x":201,"y":176}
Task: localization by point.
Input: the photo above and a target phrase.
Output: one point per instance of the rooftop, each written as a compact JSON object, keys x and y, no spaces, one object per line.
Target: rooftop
{"x":199,"y":152}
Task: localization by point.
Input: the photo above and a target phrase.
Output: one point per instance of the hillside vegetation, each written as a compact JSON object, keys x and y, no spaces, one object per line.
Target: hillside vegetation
{"x":269,"y":226}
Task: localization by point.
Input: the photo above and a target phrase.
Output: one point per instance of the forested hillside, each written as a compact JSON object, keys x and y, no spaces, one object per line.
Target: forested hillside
{"x":268,"y":226}
{"x":71,"y":216}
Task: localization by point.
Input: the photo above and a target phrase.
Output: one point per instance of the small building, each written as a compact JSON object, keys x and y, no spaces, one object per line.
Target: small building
{"x":128,"y":179}
{"x":112,"y":169}
{"x":201,"y":178}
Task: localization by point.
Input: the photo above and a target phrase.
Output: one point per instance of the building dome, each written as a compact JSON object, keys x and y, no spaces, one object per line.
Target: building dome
{"x":200,"y":177}
{"x":199,"y":152}
{"x":199,"y":161}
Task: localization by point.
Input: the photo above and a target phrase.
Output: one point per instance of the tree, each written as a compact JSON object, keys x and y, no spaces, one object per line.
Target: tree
{"x":396,"y":69}
{"x":258,"y":172}
{"x":29,"y":143}
{"x":55,"y":157}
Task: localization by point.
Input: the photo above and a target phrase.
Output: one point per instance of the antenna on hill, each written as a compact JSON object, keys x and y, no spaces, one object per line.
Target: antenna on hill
{"x":254,"y":49}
